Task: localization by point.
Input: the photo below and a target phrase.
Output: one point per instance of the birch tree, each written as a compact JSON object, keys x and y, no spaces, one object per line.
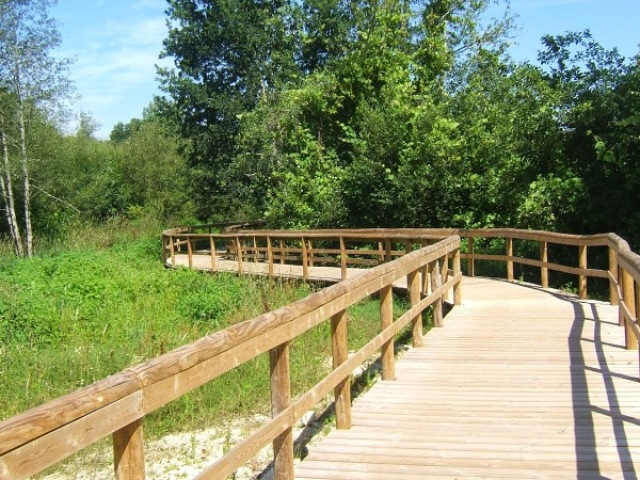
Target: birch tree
{"x":32,"y":79}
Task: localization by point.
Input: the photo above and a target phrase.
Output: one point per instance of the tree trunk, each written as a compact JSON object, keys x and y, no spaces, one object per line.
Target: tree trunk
{"x":26,"y":184}
{"x":7,"y":196}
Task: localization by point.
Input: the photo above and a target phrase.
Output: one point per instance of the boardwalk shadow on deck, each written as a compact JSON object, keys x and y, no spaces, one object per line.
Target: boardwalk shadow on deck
{"x":586,"y":443}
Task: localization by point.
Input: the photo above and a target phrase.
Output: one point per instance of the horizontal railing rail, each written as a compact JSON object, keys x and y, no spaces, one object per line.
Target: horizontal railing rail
{"x":116,"y":406}
{"x":367,"y":247}
{"x":623,"y":270}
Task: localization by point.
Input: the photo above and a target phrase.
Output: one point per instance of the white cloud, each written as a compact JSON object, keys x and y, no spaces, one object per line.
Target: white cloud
{"x":116,"y":45}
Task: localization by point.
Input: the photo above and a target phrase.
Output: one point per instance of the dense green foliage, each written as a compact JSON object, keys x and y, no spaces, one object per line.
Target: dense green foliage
{"x":328,"y":113}
{"x":108,"y":308}
{"x":69,"y":319}
{"x":399,"y":113}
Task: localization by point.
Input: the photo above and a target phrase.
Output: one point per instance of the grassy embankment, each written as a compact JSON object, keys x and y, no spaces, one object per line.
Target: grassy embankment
{"x":103,"y":301}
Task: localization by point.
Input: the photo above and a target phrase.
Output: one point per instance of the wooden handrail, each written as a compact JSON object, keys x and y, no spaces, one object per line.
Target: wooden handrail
{"x":621,"y":258}
{"x":45,"y":435}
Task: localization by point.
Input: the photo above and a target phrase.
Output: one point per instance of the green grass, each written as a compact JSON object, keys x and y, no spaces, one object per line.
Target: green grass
{"x":74,"y":315}
{"x":69,"y":319}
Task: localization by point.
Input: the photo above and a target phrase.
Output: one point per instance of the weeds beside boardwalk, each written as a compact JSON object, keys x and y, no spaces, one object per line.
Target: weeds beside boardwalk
{"x":72,"y":317}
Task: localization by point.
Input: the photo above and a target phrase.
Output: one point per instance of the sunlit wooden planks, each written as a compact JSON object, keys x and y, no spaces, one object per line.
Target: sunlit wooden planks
{"x":521,"y":383}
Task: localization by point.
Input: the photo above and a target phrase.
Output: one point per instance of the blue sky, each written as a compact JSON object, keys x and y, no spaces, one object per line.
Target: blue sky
{"x":116,"y":43}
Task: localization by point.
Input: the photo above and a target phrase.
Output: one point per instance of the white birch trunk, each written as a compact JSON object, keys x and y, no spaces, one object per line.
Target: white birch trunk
{"x":26,"y":184}
{"x":7,"y":196}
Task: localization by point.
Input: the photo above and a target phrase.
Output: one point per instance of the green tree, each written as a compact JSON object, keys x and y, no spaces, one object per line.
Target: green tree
{"x":35,"y":80}
{"x":228,"y":54}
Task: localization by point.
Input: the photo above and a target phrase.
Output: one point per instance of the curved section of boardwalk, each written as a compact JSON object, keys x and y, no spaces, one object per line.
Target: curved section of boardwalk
{"x":520,"y":383}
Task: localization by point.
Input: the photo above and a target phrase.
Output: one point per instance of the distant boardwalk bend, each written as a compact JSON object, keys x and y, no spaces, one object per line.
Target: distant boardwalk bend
{"x":516,"y":381}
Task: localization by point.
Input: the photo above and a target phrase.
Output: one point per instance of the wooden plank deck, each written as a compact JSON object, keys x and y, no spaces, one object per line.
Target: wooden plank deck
{"x":520,"y":383}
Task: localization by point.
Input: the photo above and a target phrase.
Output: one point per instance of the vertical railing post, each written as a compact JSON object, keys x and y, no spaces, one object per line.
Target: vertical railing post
{"x":436,"y":282}
{"x":214,"y":257}
{"x":173,"y":252}
{"x":282,"y":251}
{"x":310,"y":252}
{"x":388,"y":253}
{"x":457,"y":289}
{"x":582,"y":279}
{"x":408,"y":246}
{"x":544,"y":259}
{"x":424,"y":273}
{"x":342,"y":391}
{"x":305,"y":259}
{"x":239,"y":253}
{"x":509,"y":241}
{"x":255,"y":249}
{"x":165,"y":256}
{"x":613,"y":276}
{"x":190,"y":252}
{"x":413,"y":285}
{"x":386,"y":319}
{"x":444,"y":274}
{"x":128,"y":452}
{"x":621,"y":283}
{"x":629,"y":300}
{"x":343,"y":259}
{"x":280,"y":400}
{"x":270,"y":255}
{"x":471,"y":263}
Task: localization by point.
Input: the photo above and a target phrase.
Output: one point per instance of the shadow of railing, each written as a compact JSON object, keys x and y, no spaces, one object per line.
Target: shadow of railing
{"x":585,"y":411}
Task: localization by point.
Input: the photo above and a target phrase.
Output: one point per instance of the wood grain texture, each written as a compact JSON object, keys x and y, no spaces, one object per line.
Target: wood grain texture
{"x":521,"y":383}
{"x":128,"y":452}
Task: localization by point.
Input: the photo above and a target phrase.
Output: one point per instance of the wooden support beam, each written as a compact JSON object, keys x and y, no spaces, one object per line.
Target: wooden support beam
{"x":305,"y":259}
{"x":280,"y":401}
{"x":436,"y":282}
{"x":173,"y":252}
{"x":471,"y":265}
{"x":214,"y":257}
{"x":630,"y":302}
{"x":310,"y":252}
{"x":281,"y":245}
{"x":582,"y":278}
{"x":544,"y":258}
{"x":190,"y":252}
{"x":387,"y":250}
{"x":413,"y":286}
{"x":509,"y":241}
{"x":270,"y":255}
{"x":128,"y":452}
{"x":613,"y":276}
{"x":444,"y":273}
{"x":343,"y":259}
{"x":239,"y":253}
{"x":386,"y":319}
{"x":457,"y":290}
{"x":342,"y":391}
{"x":408,"y":246}
{"x":255,"y":250}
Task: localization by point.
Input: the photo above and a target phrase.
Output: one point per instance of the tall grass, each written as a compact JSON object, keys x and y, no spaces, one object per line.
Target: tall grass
{"x":78,"y":313}
{"x":69,"y":317}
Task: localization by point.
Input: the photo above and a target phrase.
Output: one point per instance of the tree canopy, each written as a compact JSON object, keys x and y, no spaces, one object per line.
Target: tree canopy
{"x":335,"y":113}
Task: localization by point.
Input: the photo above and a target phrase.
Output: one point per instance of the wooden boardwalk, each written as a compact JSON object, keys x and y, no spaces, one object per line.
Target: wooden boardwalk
{"x":520,"y":383}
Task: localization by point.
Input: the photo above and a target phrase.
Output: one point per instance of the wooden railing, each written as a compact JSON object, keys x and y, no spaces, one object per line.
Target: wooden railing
{"x":354,"y":248}
{"x":116,"y":406}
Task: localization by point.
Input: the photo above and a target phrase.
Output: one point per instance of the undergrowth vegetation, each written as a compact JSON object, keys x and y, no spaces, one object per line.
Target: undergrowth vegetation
{"x":70,"y":318}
